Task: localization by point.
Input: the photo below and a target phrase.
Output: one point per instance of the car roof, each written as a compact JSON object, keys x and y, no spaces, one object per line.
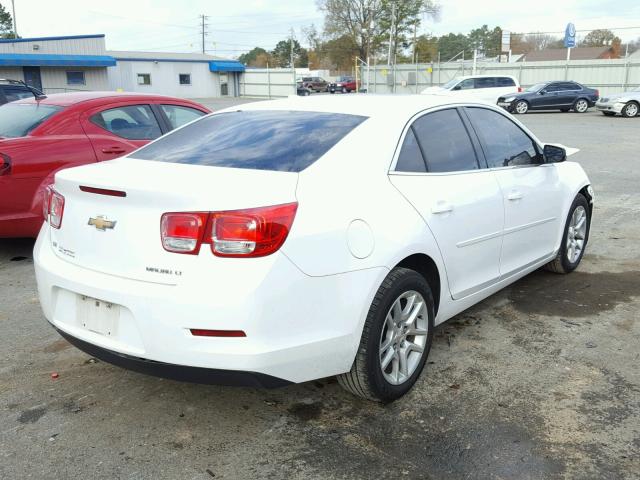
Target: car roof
{"x":464,"y":77}
{"x":68,"y":99}
{"x":386,"y":107}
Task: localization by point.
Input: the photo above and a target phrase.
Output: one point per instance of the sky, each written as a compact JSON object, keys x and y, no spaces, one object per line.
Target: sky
{"x":236,"y":26}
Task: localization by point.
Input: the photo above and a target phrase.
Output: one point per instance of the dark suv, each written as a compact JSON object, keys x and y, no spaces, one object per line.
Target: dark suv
{"x":11,"y":90}
{"x":563,"y":96}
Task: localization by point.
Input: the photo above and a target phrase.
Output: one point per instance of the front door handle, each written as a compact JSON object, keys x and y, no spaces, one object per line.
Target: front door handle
{"x":514,"y":195}
{"x":441,"y":207}
{"x":115,"y":150}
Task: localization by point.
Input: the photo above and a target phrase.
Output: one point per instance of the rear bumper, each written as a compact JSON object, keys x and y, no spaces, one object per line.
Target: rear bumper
{"x":176,"y":372}
{"x":298,"y":327}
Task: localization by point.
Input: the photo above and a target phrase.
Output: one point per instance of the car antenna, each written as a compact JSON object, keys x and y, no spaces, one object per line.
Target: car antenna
{"x":36,"y":93}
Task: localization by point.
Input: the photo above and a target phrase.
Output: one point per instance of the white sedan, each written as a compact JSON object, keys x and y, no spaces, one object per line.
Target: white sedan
{"x":290,"y":240}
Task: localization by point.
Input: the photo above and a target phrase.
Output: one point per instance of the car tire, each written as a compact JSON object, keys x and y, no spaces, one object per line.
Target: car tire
{"x":382,"y":335}
{"x":568,"y":258}
{"x":581,"y":105}
{"x":344,"y":90}
{"x":332,"y":92}
{"x":631,"y":109}
{"x":521,"y":107}
{"x":609,"y":114}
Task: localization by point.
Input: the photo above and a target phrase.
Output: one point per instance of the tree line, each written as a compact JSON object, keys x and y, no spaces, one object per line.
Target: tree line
{"x":385,"y":31}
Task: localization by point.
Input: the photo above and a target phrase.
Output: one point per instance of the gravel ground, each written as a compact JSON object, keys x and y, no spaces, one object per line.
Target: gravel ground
{"x":538,"y":381}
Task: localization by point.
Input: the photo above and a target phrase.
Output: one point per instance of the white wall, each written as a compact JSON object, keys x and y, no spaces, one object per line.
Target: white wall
{"x":263,"y":82}
{"x":165,"y":80}
{"x":74,"y":46}
{"x":54,"y":79}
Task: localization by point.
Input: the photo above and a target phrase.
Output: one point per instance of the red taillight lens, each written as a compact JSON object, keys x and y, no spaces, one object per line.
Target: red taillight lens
{"x":519,"y":89}
{"x":254,"y":232}
{"x":182,"y":232}
{"x":53,"y":207}
{"x":197,"y":332}
{"x":598,"y":93}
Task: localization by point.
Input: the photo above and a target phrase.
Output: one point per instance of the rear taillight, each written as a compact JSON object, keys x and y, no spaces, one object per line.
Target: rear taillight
{"x":519,"y":89}
{"x":53,"y":207}
{"x":182,"y":232}
{"x":254,"y":232}
{"x":5,"y":164}
{"x":597,"y":93}
{"x":251,"y":233}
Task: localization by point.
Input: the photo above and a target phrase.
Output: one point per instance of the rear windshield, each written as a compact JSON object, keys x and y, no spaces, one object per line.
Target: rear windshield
{"x":285,"y":141}
{"x":17,"y":120}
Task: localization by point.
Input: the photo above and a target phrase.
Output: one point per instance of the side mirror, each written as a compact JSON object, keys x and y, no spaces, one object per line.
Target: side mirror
{"x":542,"y":92}
{"x":554,"y":154}
{"x":457,"y":87}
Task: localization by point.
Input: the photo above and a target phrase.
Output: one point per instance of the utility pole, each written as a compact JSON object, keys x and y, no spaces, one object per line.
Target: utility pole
{"x":204,"y":32}
{"x":391,"y":30}
{"x":291,"y":44}
{"x":15,"y":27}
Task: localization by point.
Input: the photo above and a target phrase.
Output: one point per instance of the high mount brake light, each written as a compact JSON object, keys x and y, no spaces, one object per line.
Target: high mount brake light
{"x":254,"y":232}
{"x":53,"y":207}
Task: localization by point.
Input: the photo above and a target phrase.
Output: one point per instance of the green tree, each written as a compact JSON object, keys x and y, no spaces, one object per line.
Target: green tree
{"x":453,"y":44}
{"x":486,"y":41}
{"x":599,"y":38}
{"x":251,"y":56}
{"x":426,"y":48}
{"x":400,"y":19}
{"x":341,"y":52}
{"x":281,"y":54}
{"x":6,"y":24}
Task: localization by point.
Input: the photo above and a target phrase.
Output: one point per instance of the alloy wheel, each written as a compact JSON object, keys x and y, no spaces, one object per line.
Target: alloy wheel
{"x":631,"y":110}
{"x":576,"y":234}
{"x":522,"y":107}
{"x":581,"y":106}
{"x":403,"y":337}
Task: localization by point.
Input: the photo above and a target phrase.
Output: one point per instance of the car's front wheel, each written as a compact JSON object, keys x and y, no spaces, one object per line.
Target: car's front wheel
{"x":574,"y":239}
{"x":630,"y":110}
{"x":396,"y":339}
{"x":581,"y":106}
{"x":521,"y":107}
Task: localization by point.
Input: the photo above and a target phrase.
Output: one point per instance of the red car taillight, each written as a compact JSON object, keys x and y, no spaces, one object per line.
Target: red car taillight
{"x":182,"y":232}
{"x":254,"y":232}
{"x":597,"y":93}
{"x":53,"y":207}
{"x":520,"y":90}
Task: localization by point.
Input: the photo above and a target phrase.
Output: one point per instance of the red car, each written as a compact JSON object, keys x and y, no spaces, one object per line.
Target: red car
{"x":40,"y":137}
{"x":344,"y":85}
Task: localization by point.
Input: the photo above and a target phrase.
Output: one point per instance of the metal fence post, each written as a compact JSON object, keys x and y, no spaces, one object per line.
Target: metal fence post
{"x":269,"y":81}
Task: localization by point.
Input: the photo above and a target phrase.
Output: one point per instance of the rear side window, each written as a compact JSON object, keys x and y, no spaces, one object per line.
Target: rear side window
{"x":505,"y":82}
{"x":17,"y":120}
{"x":410,"y":158}
{"x":133,"y":122}
{"x":286,"y":141}
{"x":503,"y":142}
{"x":179,"y":116}
{"x":485,"y":82}
{"x":16,"y":93}
{"x":445,"y":142}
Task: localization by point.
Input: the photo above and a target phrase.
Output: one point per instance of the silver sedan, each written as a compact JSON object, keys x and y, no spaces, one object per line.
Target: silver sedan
{"x":627,"y":104}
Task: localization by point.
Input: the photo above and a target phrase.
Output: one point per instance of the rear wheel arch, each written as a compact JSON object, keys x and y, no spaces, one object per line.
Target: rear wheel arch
{"x":425,"y":266}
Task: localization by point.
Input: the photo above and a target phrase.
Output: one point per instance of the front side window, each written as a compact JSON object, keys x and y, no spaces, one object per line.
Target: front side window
{"x":133,"y":122}
{"x":75,"y":78}
{"x":17,"y":120}
{"x":503,"y":142}
{"x":179,"y":116}
{"x":467,"y":84}
{"x":277,"y":140}
{"x":184,"y":78}
{"x":444,"y":141}
{"x":144,"y":79}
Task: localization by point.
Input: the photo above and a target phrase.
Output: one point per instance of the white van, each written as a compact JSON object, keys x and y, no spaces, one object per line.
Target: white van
{"x":479,"y":87}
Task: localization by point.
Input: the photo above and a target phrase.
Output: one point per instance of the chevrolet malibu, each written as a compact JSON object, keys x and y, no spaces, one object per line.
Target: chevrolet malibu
{"x":286,"y":241}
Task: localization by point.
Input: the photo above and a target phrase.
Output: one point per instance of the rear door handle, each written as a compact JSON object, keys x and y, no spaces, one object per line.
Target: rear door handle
{"x":113,"y":150}
{"x":514,"y":195}
{"x":441,"y":207}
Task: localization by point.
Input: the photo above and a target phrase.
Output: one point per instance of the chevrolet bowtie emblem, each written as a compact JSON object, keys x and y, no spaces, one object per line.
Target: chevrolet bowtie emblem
{"x":101,"y":223}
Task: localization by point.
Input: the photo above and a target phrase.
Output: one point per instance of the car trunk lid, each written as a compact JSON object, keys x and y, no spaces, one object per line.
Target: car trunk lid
{"x":112,"y":223}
